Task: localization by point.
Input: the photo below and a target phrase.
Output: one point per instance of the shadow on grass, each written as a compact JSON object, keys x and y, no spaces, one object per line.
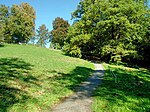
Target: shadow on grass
{"x":1,"y":45}
{"x":14,"y":78}
{"x":132,"y":90}
{"x":131,"y":65}
{"x":72,"y":79}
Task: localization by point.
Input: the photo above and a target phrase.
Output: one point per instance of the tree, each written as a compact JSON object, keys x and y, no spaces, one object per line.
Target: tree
{"x":1,"y":31}
{"x":115,"y":27}
{"x":3,"y":17}
{"x":23,"y":18}
{"x":19,"y":23}
{"x":33,"y":40}
{"x":144,"y":44}
{"x":59,"y":32}
{"x":43,"y":35}
{"x":76,"y":40}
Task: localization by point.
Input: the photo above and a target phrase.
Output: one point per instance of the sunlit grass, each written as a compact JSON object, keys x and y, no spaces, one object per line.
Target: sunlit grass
{"x":33,"y":79}
{"x":131,"y":93}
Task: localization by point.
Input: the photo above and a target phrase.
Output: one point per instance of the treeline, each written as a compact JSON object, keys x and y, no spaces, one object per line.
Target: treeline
{"x":17,"y":25}
{"x":111,"y":30}
{"x":108,"y":30}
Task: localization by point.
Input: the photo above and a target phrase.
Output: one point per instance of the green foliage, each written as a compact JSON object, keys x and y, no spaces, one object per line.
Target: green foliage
{"x":43,"y":36}
{"x":1,"y":34}
{"x":3,"y":16}
{"x":33,"y":40}
{"x":34,"y":79}
{"x":73,"y":50}
{"x":116,"y":27}
{"x":131,"y":93}
{"x":73,"y":47}
{"x":59,"y":32}
{"x":19,"y":23}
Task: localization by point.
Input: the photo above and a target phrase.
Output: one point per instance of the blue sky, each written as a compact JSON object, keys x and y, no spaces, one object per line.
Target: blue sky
{"x":48,"y":10}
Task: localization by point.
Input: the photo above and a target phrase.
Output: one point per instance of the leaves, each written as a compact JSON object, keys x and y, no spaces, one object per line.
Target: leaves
{"x":59,"y":32}
{"x":116,"y":27}
{"x":43,"y":35}
{"x":19,"y":23}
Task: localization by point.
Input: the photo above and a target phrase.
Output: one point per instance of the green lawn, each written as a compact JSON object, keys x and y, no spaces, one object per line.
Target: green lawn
{"x":131,"y":93}
{"x":33,"y":79}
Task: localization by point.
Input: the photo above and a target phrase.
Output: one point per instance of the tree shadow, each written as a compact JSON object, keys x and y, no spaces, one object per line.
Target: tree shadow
{"x":72,"y":79}
{"x":86,"y":88}
{"x":1,"y":45}
{"x":131,"y":65}
{"x":15,"y":76}
{"x":130,"y":85}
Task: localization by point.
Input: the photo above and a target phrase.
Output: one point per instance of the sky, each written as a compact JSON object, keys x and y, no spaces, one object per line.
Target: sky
{"x":48,"y":10}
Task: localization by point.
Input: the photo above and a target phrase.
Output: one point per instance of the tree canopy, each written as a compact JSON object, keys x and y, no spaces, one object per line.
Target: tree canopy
{"x":59,"y":32}
{"x":109,"y":29}
{"x":18,"y":23}
{"x":3,"y":16}
{"x":43,"y":35}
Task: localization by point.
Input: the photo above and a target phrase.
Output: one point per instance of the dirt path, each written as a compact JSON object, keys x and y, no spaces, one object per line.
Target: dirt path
{"x":81,"y":101}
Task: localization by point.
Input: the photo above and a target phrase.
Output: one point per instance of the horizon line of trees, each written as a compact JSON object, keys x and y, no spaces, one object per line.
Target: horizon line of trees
{"x":108,"y":30}
{"x":17,"y":25}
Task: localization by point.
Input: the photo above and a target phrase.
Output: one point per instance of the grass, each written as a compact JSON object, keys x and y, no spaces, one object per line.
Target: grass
{"x":131,"y":93}
{"x":33,"y":79}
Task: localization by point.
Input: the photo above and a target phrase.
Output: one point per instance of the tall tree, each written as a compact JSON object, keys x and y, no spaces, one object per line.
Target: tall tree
{"x":33,"y":40}
{"x":114,"y":25}
{"x":59,"y":32}
{"x":3,"y":16}
{"x":23,"y":18}
{"x":19,"y":23}
{"x":43,"y":35}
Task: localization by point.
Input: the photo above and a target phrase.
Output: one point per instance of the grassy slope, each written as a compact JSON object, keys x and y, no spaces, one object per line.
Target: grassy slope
{"x":33,"y":78}
{"x":130,"y":94}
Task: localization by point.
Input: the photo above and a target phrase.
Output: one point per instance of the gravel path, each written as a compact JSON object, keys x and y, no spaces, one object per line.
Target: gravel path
{"x":81,"y":101}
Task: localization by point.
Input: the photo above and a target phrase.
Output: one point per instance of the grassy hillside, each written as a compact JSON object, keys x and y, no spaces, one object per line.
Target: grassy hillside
{"x":33,"y":79}
{"x":131,"y":93}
